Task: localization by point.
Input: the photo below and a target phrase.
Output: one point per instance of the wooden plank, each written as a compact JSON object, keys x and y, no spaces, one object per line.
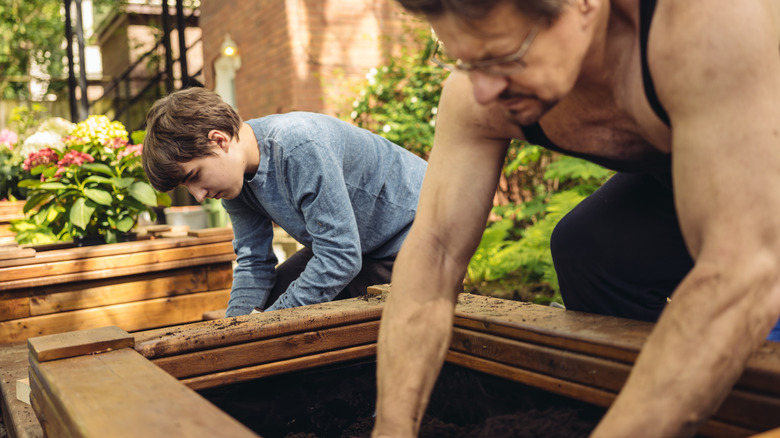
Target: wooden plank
{"x":96,"y":293}
{"x":51,"y":421}
{"x":78,"y":343}
{"x":281,"y":367}
{"x":65,"y":252}
{"x":121,"y":394}
{"x":37,"y":270}
{"x":216,"y":231}
{"x":552,"y":384}
{"x":268,"y":350}
{"x":566,"y":365}
{"x":17,"y":253}
{"x":204,"y":335}
{"x":139,"y":315}
{"x":608,"y":337}
{"x":11,"y":207}
{"x":14,"y":305}
{"x":741,"y":408}
{"x":116,"y":272}
{"x":18,"y":417}
{"x":220,"y":276}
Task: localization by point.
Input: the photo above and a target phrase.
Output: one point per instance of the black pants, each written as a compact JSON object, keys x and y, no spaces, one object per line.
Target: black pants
{"x":373,"y":272}
{"x":621,"y":252}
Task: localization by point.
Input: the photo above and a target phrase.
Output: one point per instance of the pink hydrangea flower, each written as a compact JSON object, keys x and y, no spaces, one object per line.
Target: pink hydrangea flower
{"x":116,"y":142}
{"x":71,"y":158}
{"x":8,"y":138}
{"x":43,"y":156}
{"x":134,"y":150}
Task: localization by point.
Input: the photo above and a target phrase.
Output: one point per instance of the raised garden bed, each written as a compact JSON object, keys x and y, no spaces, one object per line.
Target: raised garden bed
{"x":106,"y":382}
{"x":134,"y":285}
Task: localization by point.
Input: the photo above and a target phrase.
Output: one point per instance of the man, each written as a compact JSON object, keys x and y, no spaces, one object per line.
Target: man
{"x":682,"y":91}
{"x":349,"y":196}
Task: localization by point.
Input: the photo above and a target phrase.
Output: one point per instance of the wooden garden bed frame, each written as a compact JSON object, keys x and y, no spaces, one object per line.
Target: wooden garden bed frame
{"x":134,"y":285}
{"x":106,"y":382}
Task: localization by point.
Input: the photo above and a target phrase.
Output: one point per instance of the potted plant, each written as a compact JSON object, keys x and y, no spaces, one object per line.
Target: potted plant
{"x":93,"y":188}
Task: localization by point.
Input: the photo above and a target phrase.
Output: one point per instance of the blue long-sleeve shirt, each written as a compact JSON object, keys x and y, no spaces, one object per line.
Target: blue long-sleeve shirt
{"x":340,"y":190}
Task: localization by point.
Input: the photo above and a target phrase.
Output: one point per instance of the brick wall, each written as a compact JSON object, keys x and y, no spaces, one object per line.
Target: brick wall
{"x":307,"y":55}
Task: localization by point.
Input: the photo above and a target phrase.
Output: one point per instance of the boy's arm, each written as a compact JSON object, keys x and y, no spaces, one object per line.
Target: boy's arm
{"x":254,"y":274}
{"x":716,"y":67}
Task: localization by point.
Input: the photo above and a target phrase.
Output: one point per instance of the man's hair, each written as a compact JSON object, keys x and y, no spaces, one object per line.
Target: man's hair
{"x":177,"y":129}
{"x":476,"y":9}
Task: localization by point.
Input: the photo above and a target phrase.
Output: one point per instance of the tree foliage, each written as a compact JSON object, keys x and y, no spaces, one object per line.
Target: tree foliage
{"x":31,"y":34}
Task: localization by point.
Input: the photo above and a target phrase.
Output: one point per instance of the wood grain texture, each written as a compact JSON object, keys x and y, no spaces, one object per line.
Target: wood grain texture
{"x":19,"y":418}
{"x":120,"y":394}
{"x":139,"y":315}
{"x":79,"y":343}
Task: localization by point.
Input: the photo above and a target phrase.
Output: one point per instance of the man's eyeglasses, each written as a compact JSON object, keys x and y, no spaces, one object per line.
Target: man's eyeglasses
{"x":502,"y":66}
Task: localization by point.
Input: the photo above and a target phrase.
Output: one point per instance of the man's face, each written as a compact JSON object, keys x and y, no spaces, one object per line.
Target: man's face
{"x":217,"y":176}
{"x":550,"y":66}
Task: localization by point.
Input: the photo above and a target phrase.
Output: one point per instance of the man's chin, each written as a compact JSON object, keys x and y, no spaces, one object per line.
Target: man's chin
{"x":529,"y":115}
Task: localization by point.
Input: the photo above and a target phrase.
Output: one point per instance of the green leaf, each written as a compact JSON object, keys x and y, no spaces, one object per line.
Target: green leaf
{"x":81,"y":213}
{"x":30,"y":183}
{"x":99,"y":179}
{"x":52,"y":186}
{"x":123,"y":183}
{"x":137,"y":137}
{"x":143,"y":192}
{"x":102,"y":197}
{"x":125,"y":224}
{"x":99,"y":167}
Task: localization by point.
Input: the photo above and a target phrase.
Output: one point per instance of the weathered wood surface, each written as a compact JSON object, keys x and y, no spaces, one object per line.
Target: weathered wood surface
{"x":136,"y":285}
{"x":121,"y":394}
{"x":133,"y":316}
{"x":19,"y":418}
{"x":79,"y":343}
{"x":579,"y":355}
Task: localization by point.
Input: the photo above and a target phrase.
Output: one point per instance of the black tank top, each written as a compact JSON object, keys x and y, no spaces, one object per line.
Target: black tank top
{"x":534,"y":133}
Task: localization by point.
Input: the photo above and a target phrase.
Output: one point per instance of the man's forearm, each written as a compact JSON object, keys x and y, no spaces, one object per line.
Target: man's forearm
{"x":696,"y":352}
{"x":413,"y":340}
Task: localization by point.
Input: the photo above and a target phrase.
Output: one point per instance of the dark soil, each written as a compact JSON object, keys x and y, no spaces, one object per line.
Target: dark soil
{"x":338,"y":402}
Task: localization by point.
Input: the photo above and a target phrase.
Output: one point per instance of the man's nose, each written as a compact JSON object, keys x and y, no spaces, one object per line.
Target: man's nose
{"x":487,"y":87}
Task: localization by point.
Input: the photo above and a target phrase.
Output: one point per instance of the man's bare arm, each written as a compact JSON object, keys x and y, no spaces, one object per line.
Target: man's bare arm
{"x":456,"y":198}
{"x":717,"y":69}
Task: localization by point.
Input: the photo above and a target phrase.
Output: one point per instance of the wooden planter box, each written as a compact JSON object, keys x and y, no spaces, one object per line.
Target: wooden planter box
{"x":133,"y":285}
{"x":9,"y":210}
{"x":106,"y":382}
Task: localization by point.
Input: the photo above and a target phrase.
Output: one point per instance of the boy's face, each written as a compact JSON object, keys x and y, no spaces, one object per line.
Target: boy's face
{"x":217,"y":176}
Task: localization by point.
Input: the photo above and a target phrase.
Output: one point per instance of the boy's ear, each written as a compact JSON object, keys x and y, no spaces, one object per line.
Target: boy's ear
{"x":221,"y":139}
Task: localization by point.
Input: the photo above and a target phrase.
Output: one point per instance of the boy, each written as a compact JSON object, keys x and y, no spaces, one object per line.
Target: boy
{"x":347,"y":195}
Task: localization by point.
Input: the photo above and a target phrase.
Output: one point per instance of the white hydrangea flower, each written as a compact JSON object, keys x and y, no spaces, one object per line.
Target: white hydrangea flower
{"x":40,"y":140}
{"x":57,"y":125}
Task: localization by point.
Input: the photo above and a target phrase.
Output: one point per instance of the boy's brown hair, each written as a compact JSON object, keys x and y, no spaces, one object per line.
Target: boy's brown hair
{"x":177,"y":129}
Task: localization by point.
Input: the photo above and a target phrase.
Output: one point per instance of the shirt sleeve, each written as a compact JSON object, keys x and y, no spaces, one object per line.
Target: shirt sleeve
{"x":316,"y":186}
{"x":254,"y":274}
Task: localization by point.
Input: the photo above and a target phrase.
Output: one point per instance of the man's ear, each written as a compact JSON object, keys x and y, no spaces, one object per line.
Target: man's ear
{"x":221,"y":139}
